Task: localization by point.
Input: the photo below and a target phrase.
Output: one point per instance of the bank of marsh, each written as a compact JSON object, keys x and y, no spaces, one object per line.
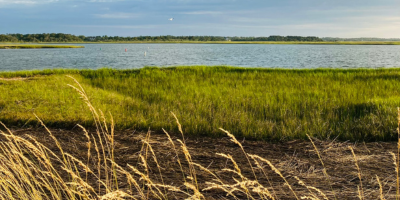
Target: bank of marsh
{"x":36,"y":46}
{"x":273,"y":104}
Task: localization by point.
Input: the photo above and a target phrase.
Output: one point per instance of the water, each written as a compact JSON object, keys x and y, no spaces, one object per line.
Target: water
{"x":95,"y":56}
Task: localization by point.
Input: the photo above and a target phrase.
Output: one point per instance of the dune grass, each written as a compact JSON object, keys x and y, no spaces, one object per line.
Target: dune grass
{"x":267,"y":104}
{"x":35,"y":46}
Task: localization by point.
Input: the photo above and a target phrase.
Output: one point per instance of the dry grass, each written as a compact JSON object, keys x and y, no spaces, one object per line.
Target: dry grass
{"x":31,"y":170}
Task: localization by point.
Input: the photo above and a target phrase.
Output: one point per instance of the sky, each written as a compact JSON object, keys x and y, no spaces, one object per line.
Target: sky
{"x":321,"y":18}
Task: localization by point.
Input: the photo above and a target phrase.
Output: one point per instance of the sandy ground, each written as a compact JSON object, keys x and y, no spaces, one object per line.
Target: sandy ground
{"x":294,"y":158}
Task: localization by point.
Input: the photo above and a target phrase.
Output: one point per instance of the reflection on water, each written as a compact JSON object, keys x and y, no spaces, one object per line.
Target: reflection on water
{"x":247,"y":55}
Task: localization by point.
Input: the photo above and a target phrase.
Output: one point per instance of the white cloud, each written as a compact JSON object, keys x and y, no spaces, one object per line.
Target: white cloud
{"x":119,"y":15}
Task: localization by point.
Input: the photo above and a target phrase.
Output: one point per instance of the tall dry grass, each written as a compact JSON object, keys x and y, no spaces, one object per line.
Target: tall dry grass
{"x":30,"y":170}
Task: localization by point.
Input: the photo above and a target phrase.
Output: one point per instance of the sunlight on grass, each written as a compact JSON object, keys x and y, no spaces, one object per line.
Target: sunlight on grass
{"x":271,"y":104}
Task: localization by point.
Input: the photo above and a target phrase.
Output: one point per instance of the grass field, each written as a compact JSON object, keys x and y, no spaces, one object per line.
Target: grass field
{"x":35,"y":46}
{"x":104,"y":163}
{"x":269,"y":104}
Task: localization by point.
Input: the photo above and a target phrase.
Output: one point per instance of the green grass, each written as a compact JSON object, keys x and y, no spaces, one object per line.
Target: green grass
{"x":270,"y":104}
{"x":35,"y":46}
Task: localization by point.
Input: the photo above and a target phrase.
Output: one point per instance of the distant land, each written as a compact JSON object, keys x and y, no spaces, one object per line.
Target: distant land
{"x":61,"y":37}
{"x":37,"y":46}
{"x":274,"y":39}
{"x":333,"y":39}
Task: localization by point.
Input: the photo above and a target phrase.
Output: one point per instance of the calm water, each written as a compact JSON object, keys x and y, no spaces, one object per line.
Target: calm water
{"x":247,"y":55}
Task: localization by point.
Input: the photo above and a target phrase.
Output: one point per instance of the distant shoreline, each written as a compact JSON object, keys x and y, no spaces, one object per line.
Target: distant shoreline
{"x":35,"y":46}
{"x":206,"y":42}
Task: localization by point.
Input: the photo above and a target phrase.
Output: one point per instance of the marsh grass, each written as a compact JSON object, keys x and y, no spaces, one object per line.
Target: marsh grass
{"x":30,"y":170}
{"x":267,"y":104}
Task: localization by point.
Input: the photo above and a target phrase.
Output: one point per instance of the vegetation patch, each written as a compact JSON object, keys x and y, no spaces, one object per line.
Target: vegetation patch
{"x":103,"y":163}
{"x":266,"y":104}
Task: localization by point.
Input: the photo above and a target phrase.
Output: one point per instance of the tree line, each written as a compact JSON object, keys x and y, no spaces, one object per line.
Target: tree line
{"x":335,"y":39}
{"x":61,"y":37}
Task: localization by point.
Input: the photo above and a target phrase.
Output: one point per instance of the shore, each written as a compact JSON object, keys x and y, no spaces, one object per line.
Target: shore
{"x":238,"y":42}
{"x":35,"y":46}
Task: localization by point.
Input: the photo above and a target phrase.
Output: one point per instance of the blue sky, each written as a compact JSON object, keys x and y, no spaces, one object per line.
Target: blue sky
{"x":323,"y":18}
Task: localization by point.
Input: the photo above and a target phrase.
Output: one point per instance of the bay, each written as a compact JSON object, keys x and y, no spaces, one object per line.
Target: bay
{"x":95,"y":56}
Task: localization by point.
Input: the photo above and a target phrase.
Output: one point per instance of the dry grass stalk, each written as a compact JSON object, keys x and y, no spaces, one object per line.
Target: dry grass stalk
{"x":227,"y":156}
{"x":148,"y":180}
{"x":304,"y":185}
{"x":323,"y":165}
{"x":275,"y":170}
{"x":380,"y":188}
{"x":112,"y":151}
{"x":396,"y":168}
{"x":189,"y":160}
{"x":116,"y":195}
{"x":155,"y":159}
{"x":223,"y":187}
{"x":264,"y":192}
{"x":172,"y":188}
{"x":54,"y":138}
{"x":360,"y":195}
{"x":234,"y":140}
{"x":266,"y":176}
{"x":100,"y":130}
{"x":208,"y":171}
{"x":360,"y":189}
{"x":310,"y":197}
{"x":131,"y":180}
{"x":196,"y":195}
{"x":89,"y":144}
{"x":243,"y":184}
{"x":176,"y":153}
{"x":179,"y":126}
{"x":98,"y":161}
{"x":309,"y":188}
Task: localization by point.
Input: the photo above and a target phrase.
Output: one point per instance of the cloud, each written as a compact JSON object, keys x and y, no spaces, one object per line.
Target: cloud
{"x":103,"y":1}
{"x":25,"y":2}
{"x":119,"y":15}
{"x":202,"y":13}
{"x":117,"y":26}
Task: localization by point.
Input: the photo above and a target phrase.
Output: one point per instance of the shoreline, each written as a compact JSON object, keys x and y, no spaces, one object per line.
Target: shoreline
{"x":225,"y":42}
{"x":36,"y":46}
